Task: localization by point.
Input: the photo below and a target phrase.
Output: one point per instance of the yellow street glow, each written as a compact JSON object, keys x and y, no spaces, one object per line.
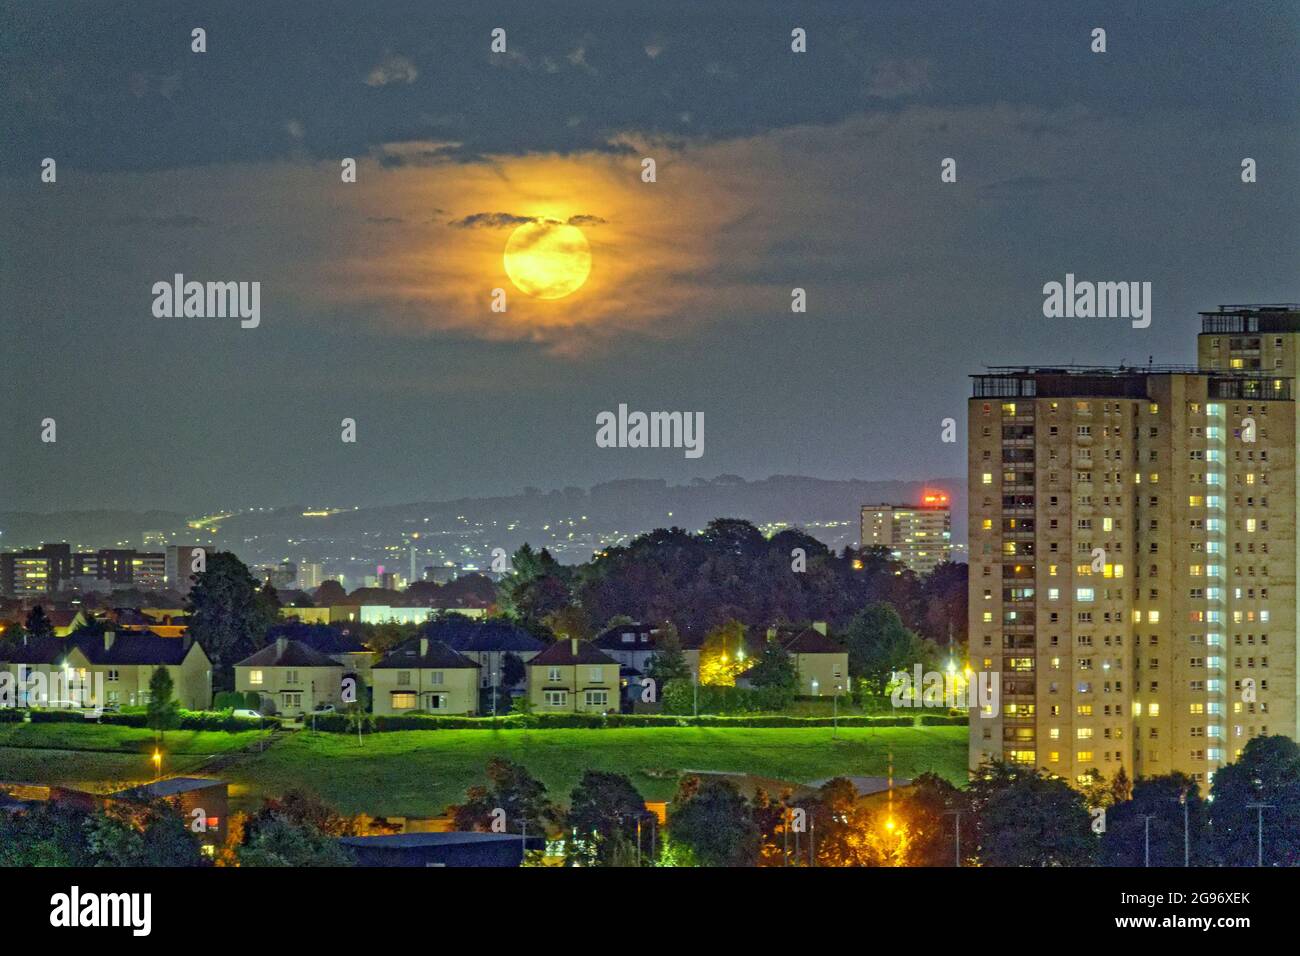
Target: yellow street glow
{"x":548,"y":259}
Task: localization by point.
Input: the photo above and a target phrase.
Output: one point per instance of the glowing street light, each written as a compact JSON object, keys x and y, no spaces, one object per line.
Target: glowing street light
{"x":157,"y":763}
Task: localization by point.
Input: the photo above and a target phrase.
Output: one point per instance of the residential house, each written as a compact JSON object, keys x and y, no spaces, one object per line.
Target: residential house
{"x":121,"y":663}
{"x":573,"y":676}
{"x":821,"y":664}
{"x":487,"y":644}
{"x":424,"y":675}
{"x":291,"y":678}
{"x":633,"y":645}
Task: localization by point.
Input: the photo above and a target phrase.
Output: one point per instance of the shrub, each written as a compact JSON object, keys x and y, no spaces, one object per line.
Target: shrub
{"x":10,"y":715}
{"x":945,"y":720}
{"x":56,"y":716}
{"x":228,"y":700}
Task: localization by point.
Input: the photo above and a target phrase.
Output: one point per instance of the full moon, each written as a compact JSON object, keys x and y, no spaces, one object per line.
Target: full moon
{"x":548,"y":259}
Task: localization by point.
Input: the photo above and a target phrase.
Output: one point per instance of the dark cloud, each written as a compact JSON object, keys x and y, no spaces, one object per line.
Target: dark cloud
{"x":491,"y":220}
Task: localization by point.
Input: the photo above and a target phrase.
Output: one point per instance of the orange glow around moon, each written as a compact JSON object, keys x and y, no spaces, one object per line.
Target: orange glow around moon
{"x":548,"y":259}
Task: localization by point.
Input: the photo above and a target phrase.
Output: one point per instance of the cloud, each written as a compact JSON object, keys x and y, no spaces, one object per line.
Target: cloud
{"x":490,"y":220}
{"x":892,"y":79}
{"x":392,"y":69}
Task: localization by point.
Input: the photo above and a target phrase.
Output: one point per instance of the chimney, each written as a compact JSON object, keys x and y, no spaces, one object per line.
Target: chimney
{"x":424,"y":646}
{"x":281,"y":645}
{"x":820,"y":627}
{"x":109,"y":637}
{"x":573,"y":646}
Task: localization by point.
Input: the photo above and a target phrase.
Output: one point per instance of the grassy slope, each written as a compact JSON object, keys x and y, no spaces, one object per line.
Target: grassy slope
{"x":95,"y":756}
{"x":417,"y":773}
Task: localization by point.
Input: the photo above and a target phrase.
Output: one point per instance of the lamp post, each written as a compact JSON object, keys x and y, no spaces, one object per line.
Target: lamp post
{"x":1187,"y":845}
{"x":157,"y":763}
{"x":835,"y":714}
{"x":1146,"y":826}
{"x":1259,"y":809}
{"x":957,"y":839}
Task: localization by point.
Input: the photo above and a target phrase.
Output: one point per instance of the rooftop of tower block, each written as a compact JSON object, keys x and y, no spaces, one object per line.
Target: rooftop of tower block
{"x":1272,"y":317}
{"x":1076,"y":381}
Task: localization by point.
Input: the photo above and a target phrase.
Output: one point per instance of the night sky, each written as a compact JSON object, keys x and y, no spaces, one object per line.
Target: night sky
{"x":775,"y":170}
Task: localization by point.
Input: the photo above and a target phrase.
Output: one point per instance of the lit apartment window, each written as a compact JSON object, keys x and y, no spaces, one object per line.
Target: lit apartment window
{"x":255,"y":678}
{"x":406,"y":700}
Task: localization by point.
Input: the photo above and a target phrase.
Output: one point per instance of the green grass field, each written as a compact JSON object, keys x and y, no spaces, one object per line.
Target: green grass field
{"x":98,"y":756}
{"x":418,"y":772}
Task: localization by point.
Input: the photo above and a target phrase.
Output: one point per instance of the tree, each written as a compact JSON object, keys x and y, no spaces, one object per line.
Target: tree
{"x":714,"y":822}
{"x":932,"y":825}
{"x":601,"y":824}
{"x":329,"y":593}
{"x":303,"y":809}
{"x":569,"y":621}
{"x":513,"y":671}
{"x":142,"y":834}
{"x":280,"y":841}
{"x":669,"y":660}
{"x":774,"y":669}
{"x":163,"y":712}
{"x":879,"y":644}
{"x":1267,"y":772}
{"x":513,"y":799}
{"x":723,"y":654}
{"x":38,"y":624}
{"x":1163,"y":799}
{"x":227,"y":614}
{"x":1028,"y":818}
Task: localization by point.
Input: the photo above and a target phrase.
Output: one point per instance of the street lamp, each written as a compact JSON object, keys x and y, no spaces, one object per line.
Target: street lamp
{"x":1259,"y":809}
{"x":957,"y":839}
{"x":157,"y":763}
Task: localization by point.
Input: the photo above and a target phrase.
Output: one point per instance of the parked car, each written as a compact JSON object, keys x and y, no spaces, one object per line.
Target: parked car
{"x":247,"y":714}
{"x":324,"y":708}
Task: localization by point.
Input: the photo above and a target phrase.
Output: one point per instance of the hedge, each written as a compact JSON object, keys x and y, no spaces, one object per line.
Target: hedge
{"x":190,"y":720}
{"x":945,"y":720}
{"x":10,"y":715}
{"x":338,"y":723}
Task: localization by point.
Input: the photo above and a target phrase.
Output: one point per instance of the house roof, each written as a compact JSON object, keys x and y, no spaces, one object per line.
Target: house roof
{"x":436,"y":655}
{"x":171,"y":787}
{"x":561,"y":653}
{"x":286,"y":653}
{"x":462,"y":634}
{"x":611,"y":638}
{"x":127,"y":647}
{"x":809,"y":641}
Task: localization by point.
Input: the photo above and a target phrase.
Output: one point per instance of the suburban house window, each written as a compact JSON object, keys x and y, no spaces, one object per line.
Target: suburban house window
{"x":835,"y":672}
{"x":596,"y":673}
{"x":437,"y":678}
{"x":255,"y":677}
{"x":556,"y":698}
{"x":597,"y":698}
{"x":437,"y":701}
{"x":403,"y":678}
{"x":112,"y":675}
{"x":293,"y":700}
{"x":403,"y":701}
{"x":291,"y":677}
{"x":553,"y":674}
